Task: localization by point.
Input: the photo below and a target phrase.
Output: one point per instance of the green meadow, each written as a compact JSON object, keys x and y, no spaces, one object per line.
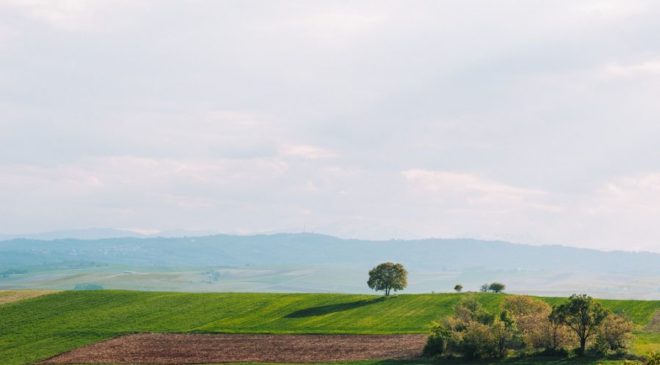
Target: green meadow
{"x":36,"y":328}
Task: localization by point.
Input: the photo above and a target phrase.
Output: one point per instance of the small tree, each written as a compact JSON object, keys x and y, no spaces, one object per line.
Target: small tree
{"x":388,"y":276}
{"x":506,"y":333}
{"x":560,"y":335}
{"x":496,"y":287}
{"x":484,"y":288}
{"x":582,"y":315}
{"x":458,"y":288}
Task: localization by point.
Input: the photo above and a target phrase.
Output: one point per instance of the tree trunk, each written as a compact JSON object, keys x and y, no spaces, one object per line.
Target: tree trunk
{"x":583,"y":345}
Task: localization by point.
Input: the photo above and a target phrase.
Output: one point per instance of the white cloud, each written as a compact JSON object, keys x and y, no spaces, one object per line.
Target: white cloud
{"x":647,"y":68}
{"x":306,"y":152}
{"x":534,"y":121}
{"x":613,"y":9}
{"x":61,"y":14}
{"x":451,"y":182}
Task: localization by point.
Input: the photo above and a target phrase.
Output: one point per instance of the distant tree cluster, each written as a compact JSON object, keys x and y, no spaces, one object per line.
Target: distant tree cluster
{"x":88,"y":286}
{"x":493,"y":287}
{"x":528,"y":325}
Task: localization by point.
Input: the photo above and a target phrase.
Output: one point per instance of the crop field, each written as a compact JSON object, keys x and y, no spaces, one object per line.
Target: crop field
{"x":38,"y":328}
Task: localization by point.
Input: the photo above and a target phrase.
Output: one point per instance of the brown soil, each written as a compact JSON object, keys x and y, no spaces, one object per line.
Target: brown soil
{"x":654,"y":325}
{"x":201,"y":348}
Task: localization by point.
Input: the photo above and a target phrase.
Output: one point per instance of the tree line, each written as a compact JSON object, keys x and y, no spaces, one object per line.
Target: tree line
{"x":528,"y":325}
{"x":389,"y":276}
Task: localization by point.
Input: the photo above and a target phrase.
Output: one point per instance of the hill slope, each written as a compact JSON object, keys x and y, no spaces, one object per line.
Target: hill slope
{"x":37,"y":328}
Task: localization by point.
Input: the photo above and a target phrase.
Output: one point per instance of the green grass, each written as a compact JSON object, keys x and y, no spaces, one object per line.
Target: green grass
{"x":646,"y":342}
{"x":37,"y":328}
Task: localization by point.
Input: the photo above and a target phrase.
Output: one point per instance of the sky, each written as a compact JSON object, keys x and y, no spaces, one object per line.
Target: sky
{"x":527,"y":121}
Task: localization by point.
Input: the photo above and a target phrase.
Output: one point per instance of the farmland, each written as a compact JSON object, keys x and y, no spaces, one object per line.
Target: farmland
{"x":37,"y":328}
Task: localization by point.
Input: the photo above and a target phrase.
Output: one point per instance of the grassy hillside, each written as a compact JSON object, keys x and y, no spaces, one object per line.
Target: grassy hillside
{"x":37,"y":328}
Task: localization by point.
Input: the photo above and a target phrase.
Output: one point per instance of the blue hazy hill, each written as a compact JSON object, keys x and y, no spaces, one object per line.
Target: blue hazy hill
{"x":434,"y":262}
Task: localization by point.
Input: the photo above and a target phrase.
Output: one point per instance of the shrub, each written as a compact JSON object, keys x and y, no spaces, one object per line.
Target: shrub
{"x":473,"y":332}
{"x":469,"y":309}
{"x":526,"y":322}
{"x":653,"y":358}
{"x":438,"y":341}
{"x":531,"y":318}
{"x":614,"y":334}
{"x":478,"y":341}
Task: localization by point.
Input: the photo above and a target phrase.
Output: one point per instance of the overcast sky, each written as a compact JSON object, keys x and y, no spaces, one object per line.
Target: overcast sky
{"x":529,"y":121}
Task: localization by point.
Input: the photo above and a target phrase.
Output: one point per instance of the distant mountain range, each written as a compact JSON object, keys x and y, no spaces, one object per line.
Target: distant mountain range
{"x":313,"y":262}
{"x":99,"y":233}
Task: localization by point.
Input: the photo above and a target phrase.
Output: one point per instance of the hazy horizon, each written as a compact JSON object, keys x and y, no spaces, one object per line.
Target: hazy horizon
{"x":99,"y":233}
{"x":532,"y":122}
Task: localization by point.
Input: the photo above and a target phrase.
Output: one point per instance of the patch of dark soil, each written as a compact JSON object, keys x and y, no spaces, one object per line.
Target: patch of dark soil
{"x":155,"y":348}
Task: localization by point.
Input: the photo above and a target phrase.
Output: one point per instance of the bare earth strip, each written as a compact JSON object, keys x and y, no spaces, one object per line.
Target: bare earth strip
{"x":154,"y":348}
{"x":654,"y":325}
{"x":8,"y":296}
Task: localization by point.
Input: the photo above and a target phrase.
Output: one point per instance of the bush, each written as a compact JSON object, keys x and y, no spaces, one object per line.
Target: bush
{"x":469,"y":309}
{"x":653,"y":358}
{"x":531,"y":318}
{"x":473,"y":332}
{"x":528,"y":323}
{"x":478,"y":341}
{"x":438,"y":341}
{"x":614,"y":335}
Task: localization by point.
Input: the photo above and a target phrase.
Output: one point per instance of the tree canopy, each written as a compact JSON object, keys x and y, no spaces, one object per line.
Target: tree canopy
{"x":582,"y":315}
{"x":496,"y":287}
{"x":388,"y":276}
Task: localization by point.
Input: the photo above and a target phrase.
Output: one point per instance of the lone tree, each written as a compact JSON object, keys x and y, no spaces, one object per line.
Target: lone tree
{"x":458,"y":288}
{"x":388,"y":276}
{"x":496,"y":287}
{"x":582,"y":315}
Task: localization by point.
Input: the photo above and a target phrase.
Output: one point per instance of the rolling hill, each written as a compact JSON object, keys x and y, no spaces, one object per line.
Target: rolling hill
{"x":37,"y":328}
{"x":302,"y":262}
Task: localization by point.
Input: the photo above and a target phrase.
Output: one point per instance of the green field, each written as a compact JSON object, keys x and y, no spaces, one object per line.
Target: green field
{"x":37,"y":328}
